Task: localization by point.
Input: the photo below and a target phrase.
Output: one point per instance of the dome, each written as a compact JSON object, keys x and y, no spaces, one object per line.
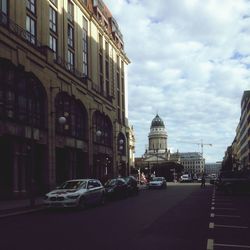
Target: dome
{"x":157,"y":122}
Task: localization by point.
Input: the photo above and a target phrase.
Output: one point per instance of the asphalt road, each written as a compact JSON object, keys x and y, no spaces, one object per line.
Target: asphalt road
{"x":175,"y":218}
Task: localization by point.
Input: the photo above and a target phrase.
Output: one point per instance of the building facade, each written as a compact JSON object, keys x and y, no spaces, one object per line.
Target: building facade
{"x":63,"y":98}
{"x":193,"y":162}
{"x":237,"y":155}
{"x":213,"y":168}
{"x":243,"y":134}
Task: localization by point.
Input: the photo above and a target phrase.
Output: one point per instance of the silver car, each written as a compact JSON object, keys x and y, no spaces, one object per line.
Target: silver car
{"x":76,"y":193}
{"x":157,"y":182}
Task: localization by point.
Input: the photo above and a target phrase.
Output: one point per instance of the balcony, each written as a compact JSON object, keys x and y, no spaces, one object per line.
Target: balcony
{"x":24,"y":35}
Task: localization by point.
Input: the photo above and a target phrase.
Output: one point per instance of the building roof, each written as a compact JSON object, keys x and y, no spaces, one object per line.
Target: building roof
{"x":157,"y":122}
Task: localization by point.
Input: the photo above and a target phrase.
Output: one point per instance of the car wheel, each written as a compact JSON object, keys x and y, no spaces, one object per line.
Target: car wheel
{"x":82,"y":203}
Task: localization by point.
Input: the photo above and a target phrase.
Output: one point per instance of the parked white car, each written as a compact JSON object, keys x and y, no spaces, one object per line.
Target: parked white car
{"x":186,"y":178}
{"x":157,"y":182}
{"x":76,"y":193}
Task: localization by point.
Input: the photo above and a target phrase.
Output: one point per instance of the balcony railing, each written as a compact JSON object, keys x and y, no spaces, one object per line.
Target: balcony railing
{"x":70,"y":68}
{"x":26,"y":36}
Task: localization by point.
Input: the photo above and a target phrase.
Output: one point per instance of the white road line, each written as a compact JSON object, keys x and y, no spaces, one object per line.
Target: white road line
{"x":230,"y":226}
{"x":210,"y":244}
{"x":224,"y":208}
{"x":227,"y":215}
{"x":223,"y":203}
{"x":229,"y":245}
{"x":212,"y":215}
{"x":211,"y":225}
{"x":219,"y":200}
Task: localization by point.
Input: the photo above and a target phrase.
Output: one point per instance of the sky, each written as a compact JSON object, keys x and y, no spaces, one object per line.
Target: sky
{"x":190,"y":63}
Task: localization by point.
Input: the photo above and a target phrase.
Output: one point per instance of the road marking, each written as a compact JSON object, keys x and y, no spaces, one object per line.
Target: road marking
{"x":212,"y":215}
{"x":231,"y":226}
{"x":223,"y":203}
{"x":227,"y":215}
{"x":229,"y":245}
{"x":211,"y":225}
{"x":223,"y":208}
{"x":210,"y":244}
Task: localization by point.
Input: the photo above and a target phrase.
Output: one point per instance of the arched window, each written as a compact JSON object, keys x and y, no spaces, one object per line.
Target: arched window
{"x":103,"y":124}
{"x":22,"y":97}
{"x":75,"y":114}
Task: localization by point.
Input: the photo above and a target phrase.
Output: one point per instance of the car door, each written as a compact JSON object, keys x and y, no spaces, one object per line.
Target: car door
{"x":99,"y":190}
{"x":90,"y":194}
{"x":95,"y":190}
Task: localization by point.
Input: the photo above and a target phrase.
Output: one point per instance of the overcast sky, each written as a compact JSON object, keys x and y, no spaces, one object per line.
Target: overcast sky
{"x":190,"y":63}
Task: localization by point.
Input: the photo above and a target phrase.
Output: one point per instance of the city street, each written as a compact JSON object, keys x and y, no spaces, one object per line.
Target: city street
{"x":183,"y":216}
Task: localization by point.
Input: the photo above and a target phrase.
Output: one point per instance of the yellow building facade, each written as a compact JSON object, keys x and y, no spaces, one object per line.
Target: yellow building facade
{"x":63,"y":94}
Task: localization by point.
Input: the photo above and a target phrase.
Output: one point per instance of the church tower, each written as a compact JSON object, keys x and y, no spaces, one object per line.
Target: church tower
{"x":157,"y":136}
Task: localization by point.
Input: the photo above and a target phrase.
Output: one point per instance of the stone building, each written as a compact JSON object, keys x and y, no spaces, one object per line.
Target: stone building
{"x":63,"y":94}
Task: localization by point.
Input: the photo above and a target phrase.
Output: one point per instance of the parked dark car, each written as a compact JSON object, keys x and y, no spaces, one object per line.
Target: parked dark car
{"x":131,"y":182}
{"x":116,"y":188}
{"x":233,"y":182}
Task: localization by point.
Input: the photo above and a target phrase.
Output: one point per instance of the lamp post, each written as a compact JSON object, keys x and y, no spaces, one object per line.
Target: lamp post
{"x":98,"y":134}
{"x":121,"y":147}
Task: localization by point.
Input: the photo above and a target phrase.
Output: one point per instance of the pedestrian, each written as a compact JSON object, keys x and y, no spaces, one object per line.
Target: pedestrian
{"x":203,"y":181}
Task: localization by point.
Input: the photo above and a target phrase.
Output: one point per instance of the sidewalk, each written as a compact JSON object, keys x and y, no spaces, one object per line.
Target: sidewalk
{"x":16,"y":207}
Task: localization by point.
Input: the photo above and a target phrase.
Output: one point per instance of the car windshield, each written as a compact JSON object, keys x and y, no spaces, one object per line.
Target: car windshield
{"x":157,"y":179}
{"x":73,"y":185}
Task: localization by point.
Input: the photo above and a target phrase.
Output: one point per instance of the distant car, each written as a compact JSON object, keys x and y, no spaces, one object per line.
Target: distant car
{"x":116,"y":188}
{"x":132,"y":186}
{"x":186,"y":178}
{"x":157,"y":182}
{"x":76,"y":193}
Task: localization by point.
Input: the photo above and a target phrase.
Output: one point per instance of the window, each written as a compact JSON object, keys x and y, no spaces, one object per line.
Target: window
{"x":4,"y":6}
{"x":70,"y":60}
{"x":70,"y":11}
{"x":4,"y":12}
{"x":85,"y":47}
{"x":53,"y":43}
{"x":52,"y":19}
{"x":70,"y":36}
{"x":31,"y":6}
{"x":54,"y":2}
{"x":31,"y":29}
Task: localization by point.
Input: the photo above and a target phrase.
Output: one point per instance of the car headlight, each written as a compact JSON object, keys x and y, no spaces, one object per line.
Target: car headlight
{"x":73,"y":196}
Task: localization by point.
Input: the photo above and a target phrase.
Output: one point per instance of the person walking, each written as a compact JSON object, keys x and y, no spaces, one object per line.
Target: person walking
{"x":203,"y":181}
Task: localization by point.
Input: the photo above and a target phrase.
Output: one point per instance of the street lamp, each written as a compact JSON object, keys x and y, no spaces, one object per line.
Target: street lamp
{"x":121,"y":147}
{"x":98,"y":134}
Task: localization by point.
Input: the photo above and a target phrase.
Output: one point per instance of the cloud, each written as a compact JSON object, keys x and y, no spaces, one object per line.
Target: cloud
{"x":190,"y":63}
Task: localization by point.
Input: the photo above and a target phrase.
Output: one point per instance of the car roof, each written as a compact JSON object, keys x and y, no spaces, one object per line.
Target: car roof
{"x":82,"y":180}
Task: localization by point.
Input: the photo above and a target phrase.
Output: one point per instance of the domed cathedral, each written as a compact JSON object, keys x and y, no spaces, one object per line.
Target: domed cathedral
{"x":157,"y":150}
